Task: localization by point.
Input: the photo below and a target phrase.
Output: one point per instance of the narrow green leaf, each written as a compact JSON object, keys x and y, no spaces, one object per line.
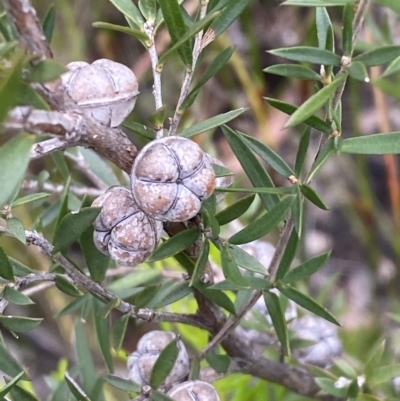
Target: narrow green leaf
{"x":119,"y":331}
{"x":140,"y":129}
{"x":267,"y":154}
{"x":10,"y":86}
{"x":220,"y":363}
{"x":20,"y":394}
{"x":255,"y":283}
{"x":313,"y":197}
{"x":306,"y":269}
{"x":216,"y":296}
{"x":72,"y":226}
{"x":149,"y":10}
{"x":71,"y":307}
{"x":130,"y":11}
{"x":221,"y":171}
{"x":318,"y":3}
{"x":19,"y":324}
{"x":379,"y":56}
{"x":63,"y":208}
{"x":312,"y":121}
{"x":253,"y":190}
{"x":87,"y":369}
{"x":324,"y":25}
{"x":6,"y":389}
{"x":358,"y":71}
{"x":302,"y":151}
{"x":308,"y":55}
{"x":307,"y":303}
{"x":124,"y":29}
{"x":194,"y":369}
{"x":17,"y":229}
{"x":134,"y":279}
{"x":200,"y":262}
{"x":347,"y":30}
{"x":103,"y":338}
{"x":247,"y":261}
{"x":288,"y":255}
{"x":14,"y":159}
{"x":61,"y":163}
{"x":122,"y":383}
{"x":176,"y":27}
{"x":278,"y":320}
{"x":8,"y":363}
{"x":76,"y":390}
{"x":157,"y":118}
{"x":251,"y":166}
{"x":164,"y":364}
{"x":144,"y":297}
{"x":235,"y":210}
{"x":19,"y":268}
{"x":174,"y":245}
{"x":176,"y":292}
{"x":293,"y":71}
{"x":67,"y":286}
{"x":377,"y":144}
{"x":393,"y":67}
{"x":374,"y":359}
{"x":209,"y":220}
{"x":328,"y":386}
{"x":298,"y":211}
{"x":230,"y":13}
{"x":96,"y":262}
{"x":159,"y":396}
{"x":45,"y":70}
{"x":16,"y":297}
{"x":315,"y":102}
{"x":48,"y":23}
{"x":230,"y":268}
{"x":384,"y":374}
{"x":190,"y":33}
{"x":322,"y":157}
{"x":211,"y":123}
{"x":264,"y":224}
{"x":218,"y":62}
{"x":6,"y":269}
{"x":29,"y":198}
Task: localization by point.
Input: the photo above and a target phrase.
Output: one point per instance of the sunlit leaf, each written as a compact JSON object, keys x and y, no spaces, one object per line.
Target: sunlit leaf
{"x":175,"y":244}
{"x":307,"y":54}
{"x":264,"y":224}
{"x":164,"y":364}
{"x":314,"y":103}
{"x":72,"y":226}
{"x":14,"y":159}
{"x":306,"y":269}
{"x":278,"y":320}
{"x":19,"y":324}
{"x":293,"y":71}
{"x":377,"y":144}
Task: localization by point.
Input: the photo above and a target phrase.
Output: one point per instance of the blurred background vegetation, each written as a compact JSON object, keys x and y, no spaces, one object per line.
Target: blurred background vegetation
{"x":361,"y":280}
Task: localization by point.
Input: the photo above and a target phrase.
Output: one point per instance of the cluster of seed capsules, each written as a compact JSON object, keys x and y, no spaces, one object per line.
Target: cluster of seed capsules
{"x":170,"y":178}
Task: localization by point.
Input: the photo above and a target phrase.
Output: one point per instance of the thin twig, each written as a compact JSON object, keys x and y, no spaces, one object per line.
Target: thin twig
{"x":189,"y":73}
{"x":32,"y":185}
{"x":148,"y":315}
{"x":157,"y":93}
{"x":273,"y":266}
{"x":81,"y":165}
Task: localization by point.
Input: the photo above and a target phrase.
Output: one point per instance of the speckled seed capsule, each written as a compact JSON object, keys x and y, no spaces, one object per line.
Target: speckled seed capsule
{"x":105,"y":89}
{"x":122,"y":230}
{"x":195,"y":390}
{"x":141,"y":362}
{"x":170,"y":178}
